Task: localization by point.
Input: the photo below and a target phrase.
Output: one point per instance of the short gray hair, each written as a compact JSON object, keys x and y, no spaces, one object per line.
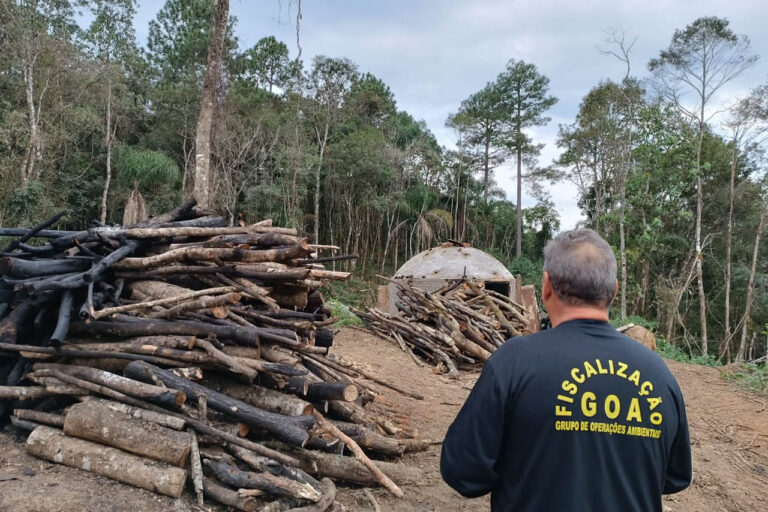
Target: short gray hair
{"x":582,"y":268}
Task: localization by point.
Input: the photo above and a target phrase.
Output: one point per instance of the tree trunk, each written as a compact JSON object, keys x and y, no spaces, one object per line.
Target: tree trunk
{"x":108,"y":142}
{"x":699,"y":254}
{"x":623,"y":249}
{"x":204,"y":134}
{"x":519,"y":235}
{"x":725,"y":345}
{"x":486,"y":169}
{"x":317,"y":186}
{"x":32,"y":154}
{"x":751,"y":289}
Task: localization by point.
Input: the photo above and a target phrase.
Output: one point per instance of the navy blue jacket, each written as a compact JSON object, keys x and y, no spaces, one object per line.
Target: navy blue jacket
{"x":576,"y":418}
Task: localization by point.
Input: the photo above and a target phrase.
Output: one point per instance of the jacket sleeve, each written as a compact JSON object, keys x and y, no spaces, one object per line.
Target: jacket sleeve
{"x":679,"y":471}
{"x":473,"y":443}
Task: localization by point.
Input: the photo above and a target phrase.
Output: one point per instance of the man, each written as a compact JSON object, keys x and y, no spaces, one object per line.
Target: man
{"x":576,"y":418}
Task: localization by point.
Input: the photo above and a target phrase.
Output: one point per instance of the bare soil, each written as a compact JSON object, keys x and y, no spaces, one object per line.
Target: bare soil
{"x":729,"y":436}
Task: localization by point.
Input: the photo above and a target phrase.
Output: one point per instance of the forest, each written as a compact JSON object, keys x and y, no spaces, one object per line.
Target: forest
{"x":673,"y":177}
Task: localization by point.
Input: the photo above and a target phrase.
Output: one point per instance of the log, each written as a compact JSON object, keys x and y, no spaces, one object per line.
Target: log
{"x":53,"y":445}
{"x":291,"y":298}
{"x":291,"y":429}
{"x":55,"y":420}
{"x":149,"y":392}
{"x":318,"y":391}
{"x":104,"y":425}
{"x":261,"y":397}
{"x":229,"y":497}
{"x":205,"y":302}
{"x":31,"y":232}
{"x":370,"y":440}
{"x":350,"y":370}
{"x":149,"y":327}
{"x":62,"y":324}
{"x":43,"y":233}
{"x":230,"y":362}
{"x":325,"y":502}
{"x":234,"y":477}
{"x":139,"y":413}
{"x":198,"y":425}
{"x":267,"y":465}
{"x":196,"y":468}
{"x":183,"y":211}
{"x":23,"y":392}
{"x":21,"y":268}
{"x":349,"y":469}
{"x":380,"y":477}
{"x":297,"y":250}
{"x":162,"y":302}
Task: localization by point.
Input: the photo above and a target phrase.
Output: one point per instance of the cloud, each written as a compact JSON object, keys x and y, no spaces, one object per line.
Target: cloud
{"x":435,"y":53}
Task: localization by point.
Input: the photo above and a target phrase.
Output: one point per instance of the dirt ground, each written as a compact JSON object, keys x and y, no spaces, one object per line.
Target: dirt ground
{"x":729,"y":435}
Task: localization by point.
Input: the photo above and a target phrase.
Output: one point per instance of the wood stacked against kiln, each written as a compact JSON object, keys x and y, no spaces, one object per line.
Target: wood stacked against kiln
{"x":462,"y":323}
{"x":183,"y":349}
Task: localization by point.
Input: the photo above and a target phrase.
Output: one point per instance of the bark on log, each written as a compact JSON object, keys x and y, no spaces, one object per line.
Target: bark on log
{"x":230,"y":362}
{"x":267,"y":465}
{"x":196,"y":467}
{"x":229,"y":497}
{"x":183,"y":211}
{"x":325,"y":502}
{"x":55,"y":446}
{"x":348,"y":469}
{"x":23,"y":392}
{"x":31,"y":232}
{"x":62,"y":324}
{"x":318,"y":391}
{"x":290,"y":298}
{"x":248,"y":336}
{"x":21,"y":268}
{"x":297,"y":250}
{"x":149,"y":392}
{"x":261,"y":397}
{"x":291,"y":429}
{"x":163,"y":302}
{"x":94,"y":422}
{"x":233,"y":476}
{"x":139,"y":413}
{"x":55,"y":420}
{"x":381,"y":478}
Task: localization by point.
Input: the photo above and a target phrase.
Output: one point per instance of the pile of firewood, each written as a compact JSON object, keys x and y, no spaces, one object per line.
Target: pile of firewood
{"x":182,"y":349}
{"x":460,"y":324}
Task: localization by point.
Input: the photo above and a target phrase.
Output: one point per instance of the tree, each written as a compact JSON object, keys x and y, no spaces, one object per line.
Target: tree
{"x":34,"y":31}
{"x":700,"y":59}
{"x":206,"y":119}
{"x":178,"y":43}
{"x":111,"y":40}
{"x":328,"y":84}
{"x":746,"y":129}
{"x":266,"y":63}
{"x":480,"y":123}
{"x":524,"y":99}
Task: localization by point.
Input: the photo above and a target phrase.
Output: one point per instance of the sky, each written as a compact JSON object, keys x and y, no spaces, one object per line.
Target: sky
{"x":433,"y":54}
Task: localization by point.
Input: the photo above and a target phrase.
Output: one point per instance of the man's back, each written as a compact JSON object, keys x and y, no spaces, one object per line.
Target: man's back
{"x":577,"y":418}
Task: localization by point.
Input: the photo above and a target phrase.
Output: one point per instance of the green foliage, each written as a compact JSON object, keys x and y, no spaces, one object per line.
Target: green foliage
{"x":651,"y":325}
{"x":148,"y":168}
{"x":357,"y":291}
{"x":530,"y":271}
{"x":26,"y":206}
{"x":671,"y":351}
{"x":344,"y":317}
{"x":751,"y":376}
